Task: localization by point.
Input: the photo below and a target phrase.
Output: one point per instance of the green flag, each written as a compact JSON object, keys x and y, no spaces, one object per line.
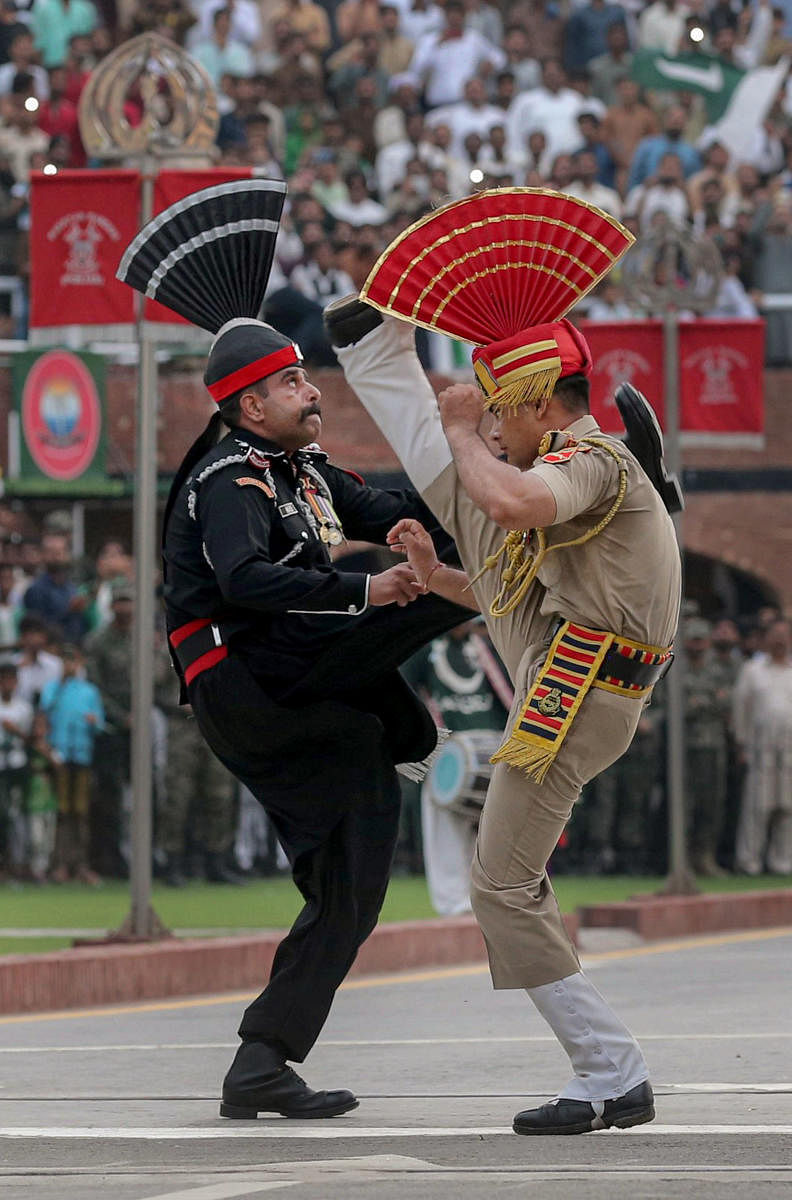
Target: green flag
{"x":711,"y":77}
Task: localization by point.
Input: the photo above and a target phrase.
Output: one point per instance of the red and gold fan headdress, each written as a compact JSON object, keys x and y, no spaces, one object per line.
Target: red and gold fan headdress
{"x":500,"y":269}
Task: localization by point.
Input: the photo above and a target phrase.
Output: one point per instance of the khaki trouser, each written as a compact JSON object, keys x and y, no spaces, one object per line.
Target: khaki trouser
{"x":522,"y":820}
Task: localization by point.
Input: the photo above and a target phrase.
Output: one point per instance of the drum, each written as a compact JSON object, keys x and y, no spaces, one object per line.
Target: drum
{"x":460,"y":775}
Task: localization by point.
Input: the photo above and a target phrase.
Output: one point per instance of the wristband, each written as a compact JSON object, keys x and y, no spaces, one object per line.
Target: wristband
{"x":425,"y":587}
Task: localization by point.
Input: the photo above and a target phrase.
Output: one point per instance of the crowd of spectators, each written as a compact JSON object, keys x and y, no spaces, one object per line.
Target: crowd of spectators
{"x":376,"y":111}
{"x":66,"y":720}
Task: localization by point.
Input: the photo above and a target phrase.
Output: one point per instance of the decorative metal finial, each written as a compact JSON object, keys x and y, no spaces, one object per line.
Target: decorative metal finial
{"x":174,"y":92}
{"x":672,"y":268}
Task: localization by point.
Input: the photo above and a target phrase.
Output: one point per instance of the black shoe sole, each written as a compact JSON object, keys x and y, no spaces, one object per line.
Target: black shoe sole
{"x":636,"y":1116}
{"x":238,"y":1113}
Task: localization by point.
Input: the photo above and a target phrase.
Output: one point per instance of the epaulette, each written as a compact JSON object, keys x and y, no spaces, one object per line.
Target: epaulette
{"x":228,"y":453}
{"x":558,"y":446}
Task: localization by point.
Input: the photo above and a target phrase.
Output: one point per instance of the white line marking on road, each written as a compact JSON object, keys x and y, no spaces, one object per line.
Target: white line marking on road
{"x":290,"y":1131}
{"x":224,"y":1191}
{"x":137,"y":1047}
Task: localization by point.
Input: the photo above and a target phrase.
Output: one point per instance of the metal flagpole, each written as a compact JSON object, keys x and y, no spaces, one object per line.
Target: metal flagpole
{"x":669,"y":269}
{"x":680,"y":880}
{"x":170,"y":135}
{"x":142,"y":919}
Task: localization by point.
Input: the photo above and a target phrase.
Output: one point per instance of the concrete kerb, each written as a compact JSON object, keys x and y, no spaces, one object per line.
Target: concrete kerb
{"x":112,"y":973}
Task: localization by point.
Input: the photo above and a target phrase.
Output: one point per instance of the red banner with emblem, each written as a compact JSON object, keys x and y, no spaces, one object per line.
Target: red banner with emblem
{"x":625,"y":351}
{"x":721,"y":379}
{"x":81,"y":223}
{"x":721,"y":374}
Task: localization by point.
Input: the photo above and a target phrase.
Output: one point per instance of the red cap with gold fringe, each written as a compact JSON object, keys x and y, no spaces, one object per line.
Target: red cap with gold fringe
{"x":500,"y":269}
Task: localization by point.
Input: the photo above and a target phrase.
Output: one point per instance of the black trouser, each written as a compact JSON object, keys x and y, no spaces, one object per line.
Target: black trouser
{"x":323,"y":768}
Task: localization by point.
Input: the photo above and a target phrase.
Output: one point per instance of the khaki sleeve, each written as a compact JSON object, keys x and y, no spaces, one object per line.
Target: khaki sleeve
{"x":579,"y":484}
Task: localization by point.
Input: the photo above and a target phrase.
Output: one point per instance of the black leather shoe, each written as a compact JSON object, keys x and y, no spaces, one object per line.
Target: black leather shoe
{"x":583,"y":1116}
{"x":645,"y":440}
{"x":349,"y":319}
{"x":259,"y":1081}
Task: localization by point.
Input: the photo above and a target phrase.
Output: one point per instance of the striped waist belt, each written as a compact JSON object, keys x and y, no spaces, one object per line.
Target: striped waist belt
{"x":198,"y":645}
{"x":578,"y":659}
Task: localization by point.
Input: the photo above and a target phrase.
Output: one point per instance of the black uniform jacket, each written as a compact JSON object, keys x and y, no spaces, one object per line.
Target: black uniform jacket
{"x":243,"y":548}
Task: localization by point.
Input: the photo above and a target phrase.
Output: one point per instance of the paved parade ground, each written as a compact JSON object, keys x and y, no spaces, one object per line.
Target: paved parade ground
{"x":122,"y":1102}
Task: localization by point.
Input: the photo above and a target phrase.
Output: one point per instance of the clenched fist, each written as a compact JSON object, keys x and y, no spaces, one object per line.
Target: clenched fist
{"x":460,"y":407}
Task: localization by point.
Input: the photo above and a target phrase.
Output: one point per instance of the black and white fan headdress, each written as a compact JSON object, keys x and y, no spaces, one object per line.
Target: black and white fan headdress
{"x":208,"y":257}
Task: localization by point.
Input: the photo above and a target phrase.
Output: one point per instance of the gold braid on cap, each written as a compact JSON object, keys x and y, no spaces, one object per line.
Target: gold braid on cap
{"x":528,"y":390}
{"x":521,"y":568}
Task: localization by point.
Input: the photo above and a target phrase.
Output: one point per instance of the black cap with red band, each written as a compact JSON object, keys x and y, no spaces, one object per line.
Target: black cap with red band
{"x":244,"y":352}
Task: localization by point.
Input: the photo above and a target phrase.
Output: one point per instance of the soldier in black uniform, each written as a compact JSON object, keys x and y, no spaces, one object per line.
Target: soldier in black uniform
{"x":290,"y":666}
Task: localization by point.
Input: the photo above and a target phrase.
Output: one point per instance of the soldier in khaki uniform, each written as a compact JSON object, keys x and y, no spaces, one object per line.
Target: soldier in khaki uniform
{"x":705,"y":749}
{"x":591,"y":569}
{"x":200,"y":794}
{"x":108,"y":661}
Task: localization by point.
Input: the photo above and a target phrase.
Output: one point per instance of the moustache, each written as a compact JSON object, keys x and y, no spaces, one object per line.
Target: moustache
{"x":310,"y":411}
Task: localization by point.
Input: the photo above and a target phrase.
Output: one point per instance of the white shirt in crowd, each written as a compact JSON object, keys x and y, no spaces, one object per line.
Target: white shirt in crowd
{"x":604,"y":197}
{"x":391,"y":162}
{"x":418,"y":23}
{"x":245,"y":21}
{"x":555,"y":113}
{"x":446,"y":66}
{"x":321,"y":286}
{"x":13,"y":751}
{"x":662,"y":28}
{"x":464,"y":118}
{"x":8,"y":73}
{"x":363,"y":212}
{"x":32,"y":677}
{"x":649,"y":201}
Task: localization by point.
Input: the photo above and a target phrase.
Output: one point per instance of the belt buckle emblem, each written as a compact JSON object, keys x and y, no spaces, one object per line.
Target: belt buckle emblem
{"x":550,"y":705}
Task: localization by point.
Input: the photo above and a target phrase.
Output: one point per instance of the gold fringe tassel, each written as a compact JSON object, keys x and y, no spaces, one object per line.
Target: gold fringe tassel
{"x":528,"y":390}
{"x":534,"y":760}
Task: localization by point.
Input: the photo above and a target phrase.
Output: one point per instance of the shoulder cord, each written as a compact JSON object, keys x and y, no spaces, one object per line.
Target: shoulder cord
{"x":520,"y":571}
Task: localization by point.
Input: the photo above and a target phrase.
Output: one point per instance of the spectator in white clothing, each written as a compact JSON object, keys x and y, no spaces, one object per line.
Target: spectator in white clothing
{"x":662,"y":195}
{"x":553,"y":108}
{"x":16,"y":721}
{"x":245,"y":24}
{"x":585,"y":186}
{"x":444,"y":62}
{"x":36,"y":666}
{"x":762,"y":715}
{"x":319,"y":277}
{"x":420,"y":19}
{"x":733,"y":300}
{"x":23,"y":60}
{"x":360,"y":208}
{"x":519,"y":61}
{"x":471,"y":115}
{"x":662,"y":26}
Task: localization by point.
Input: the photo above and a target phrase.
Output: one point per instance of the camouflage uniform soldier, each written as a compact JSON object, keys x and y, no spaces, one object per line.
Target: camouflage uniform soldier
{"x":108,"y":665}
{"x":619,"y":817}
{"x":200,"y":794}
{"x":726,"y":662}
{"x":705,"y":748}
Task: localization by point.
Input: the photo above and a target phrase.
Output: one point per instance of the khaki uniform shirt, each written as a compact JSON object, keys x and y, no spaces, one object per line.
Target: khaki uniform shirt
{"x":627,"y":579}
